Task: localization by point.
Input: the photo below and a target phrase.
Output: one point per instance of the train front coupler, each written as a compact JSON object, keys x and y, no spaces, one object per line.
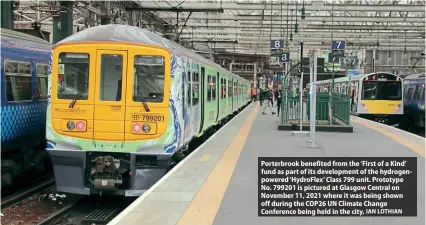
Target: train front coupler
{"x":105,"y":173}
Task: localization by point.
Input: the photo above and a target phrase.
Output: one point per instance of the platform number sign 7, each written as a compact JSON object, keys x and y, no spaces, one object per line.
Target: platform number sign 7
{"x":285,"y":57}
{"x":333,"y":59}
{"x":338,"y":45}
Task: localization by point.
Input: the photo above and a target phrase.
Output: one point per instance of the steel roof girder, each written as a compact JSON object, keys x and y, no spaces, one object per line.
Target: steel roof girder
{"x":277,"y":6}
{"x":305,"y":32}
{"x":275,"y":18}
{"x":309,"y":26}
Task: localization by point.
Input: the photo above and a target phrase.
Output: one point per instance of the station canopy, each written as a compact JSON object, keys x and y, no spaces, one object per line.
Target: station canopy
{"x":248,"y":26}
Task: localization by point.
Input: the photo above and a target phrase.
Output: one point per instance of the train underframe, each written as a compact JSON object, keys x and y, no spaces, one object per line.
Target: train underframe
{"x":118,"y":173}
{"x":389,"y":119}
{"x":413,"y":120}
{"x":22,"y":158}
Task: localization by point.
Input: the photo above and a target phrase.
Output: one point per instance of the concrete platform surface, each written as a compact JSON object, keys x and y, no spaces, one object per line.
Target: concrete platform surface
{"x":217,"y":184}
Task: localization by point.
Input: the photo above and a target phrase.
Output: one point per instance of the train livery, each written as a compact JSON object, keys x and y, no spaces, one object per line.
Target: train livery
{"x":24,"y":68}
{"x":377,"y":96}
{"x":414,"y":101}
{"x":123,"y":101}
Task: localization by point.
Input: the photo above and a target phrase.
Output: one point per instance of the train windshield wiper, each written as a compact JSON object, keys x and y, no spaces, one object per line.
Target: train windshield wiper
{"x":74,"y":100}
{"x":145,"y":105}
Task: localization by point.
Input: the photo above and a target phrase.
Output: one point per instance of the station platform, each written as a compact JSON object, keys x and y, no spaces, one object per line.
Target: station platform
{"x":218,"y":183}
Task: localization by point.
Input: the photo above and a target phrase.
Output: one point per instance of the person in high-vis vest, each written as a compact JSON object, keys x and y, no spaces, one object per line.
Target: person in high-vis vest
{"x":253,"y":94}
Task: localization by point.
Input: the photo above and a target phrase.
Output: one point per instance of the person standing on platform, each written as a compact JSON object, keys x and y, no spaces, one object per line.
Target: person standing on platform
{"x":268,"y":102}
{"x":278,"y":94}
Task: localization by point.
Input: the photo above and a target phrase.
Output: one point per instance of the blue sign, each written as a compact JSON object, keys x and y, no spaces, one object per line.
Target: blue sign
{"x":279,"y":76}
{"x":285,"y":57}
{"x":338,"y":45}
{"x":277,"y":44}
{"x":332,"y":58}
{"x":353,"y":72}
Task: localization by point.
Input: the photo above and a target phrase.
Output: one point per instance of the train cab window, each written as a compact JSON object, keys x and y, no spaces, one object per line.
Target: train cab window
{"x":369,"y":91}
{"x":189,"y":88}
{"x":209,"y":88}
{"x":213,"y":86}
{"x":111,"y":77}
{"x":42,"y":70}
{"x":195,"y":88}
{"x":149,"y":75}
{"x":18,"y":81}
{"x":73,"y":76}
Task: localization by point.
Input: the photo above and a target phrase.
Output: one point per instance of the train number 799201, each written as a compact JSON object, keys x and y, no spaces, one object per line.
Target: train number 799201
{"x":152,"y":118}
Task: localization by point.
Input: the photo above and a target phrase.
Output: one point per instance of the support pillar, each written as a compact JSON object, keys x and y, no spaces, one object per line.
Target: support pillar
{"x":66,"y":19}
{"x":56,"y":29}
{"x":63,"y":22}
{"x":105,"y":20}
{"x":255,"y":76}
{"x":7,"y":14}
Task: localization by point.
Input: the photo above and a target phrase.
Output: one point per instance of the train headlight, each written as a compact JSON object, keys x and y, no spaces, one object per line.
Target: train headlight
{"x":70,"y":125}
{"x":397,"y":107}
{"x":146,"y":128}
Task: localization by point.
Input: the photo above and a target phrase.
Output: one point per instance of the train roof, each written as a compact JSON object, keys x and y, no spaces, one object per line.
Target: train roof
{"x":347,"y":79}
{"x":126,"y":33}
{"x":19,"y":39}
{"x":415,"y":77}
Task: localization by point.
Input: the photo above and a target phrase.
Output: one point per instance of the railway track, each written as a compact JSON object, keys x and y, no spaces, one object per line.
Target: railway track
{"x":89,"y":210}
{"x":43,"y":184}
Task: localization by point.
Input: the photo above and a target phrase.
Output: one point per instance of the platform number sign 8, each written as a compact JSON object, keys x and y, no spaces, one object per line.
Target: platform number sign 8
{"x":276,"y":44}
{"x":285,"y":57}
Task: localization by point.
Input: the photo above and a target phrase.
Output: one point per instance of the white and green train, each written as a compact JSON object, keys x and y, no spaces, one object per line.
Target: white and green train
{"x":123,"y":101}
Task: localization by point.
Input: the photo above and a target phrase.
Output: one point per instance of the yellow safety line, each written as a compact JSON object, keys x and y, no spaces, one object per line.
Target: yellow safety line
{"x":407,"y":143}
{"x":205,"y":204}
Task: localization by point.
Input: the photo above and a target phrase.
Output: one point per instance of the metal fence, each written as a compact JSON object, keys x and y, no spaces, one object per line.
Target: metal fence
{"x":330,"y":108}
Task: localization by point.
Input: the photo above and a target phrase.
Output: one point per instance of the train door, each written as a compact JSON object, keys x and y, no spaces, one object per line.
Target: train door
{"x":231,"y":89}
{"x":109,"y":111}
{"x":219,"y":94}
{"x":202,"y":99}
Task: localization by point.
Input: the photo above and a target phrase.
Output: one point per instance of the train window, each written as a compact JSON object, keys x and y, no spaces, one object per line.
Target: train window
{"x":111,"y":77}
{"x":416,"y":93}
{"x":189,"y":88}
{"x":73,"y":76}
{"x":229,"y":89}
{"x":221,"y":88}
{"x":195,"y":87}
{"x":422,"y":93}
{"x":42,"y":70}
{"x":149,"y":75}
{"x":209,"y":88}
{"x":409,"y":94}
{"x":18,"y":81}
{"x":213,"y":88}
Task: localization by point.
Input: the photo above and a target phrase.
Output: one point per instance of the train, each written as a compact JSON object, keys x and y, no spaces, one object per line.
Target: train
{"x":376,"y":96}
{"x":414,"y":102}
{"x":125,"y":104}
{"x":24,"y":87}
